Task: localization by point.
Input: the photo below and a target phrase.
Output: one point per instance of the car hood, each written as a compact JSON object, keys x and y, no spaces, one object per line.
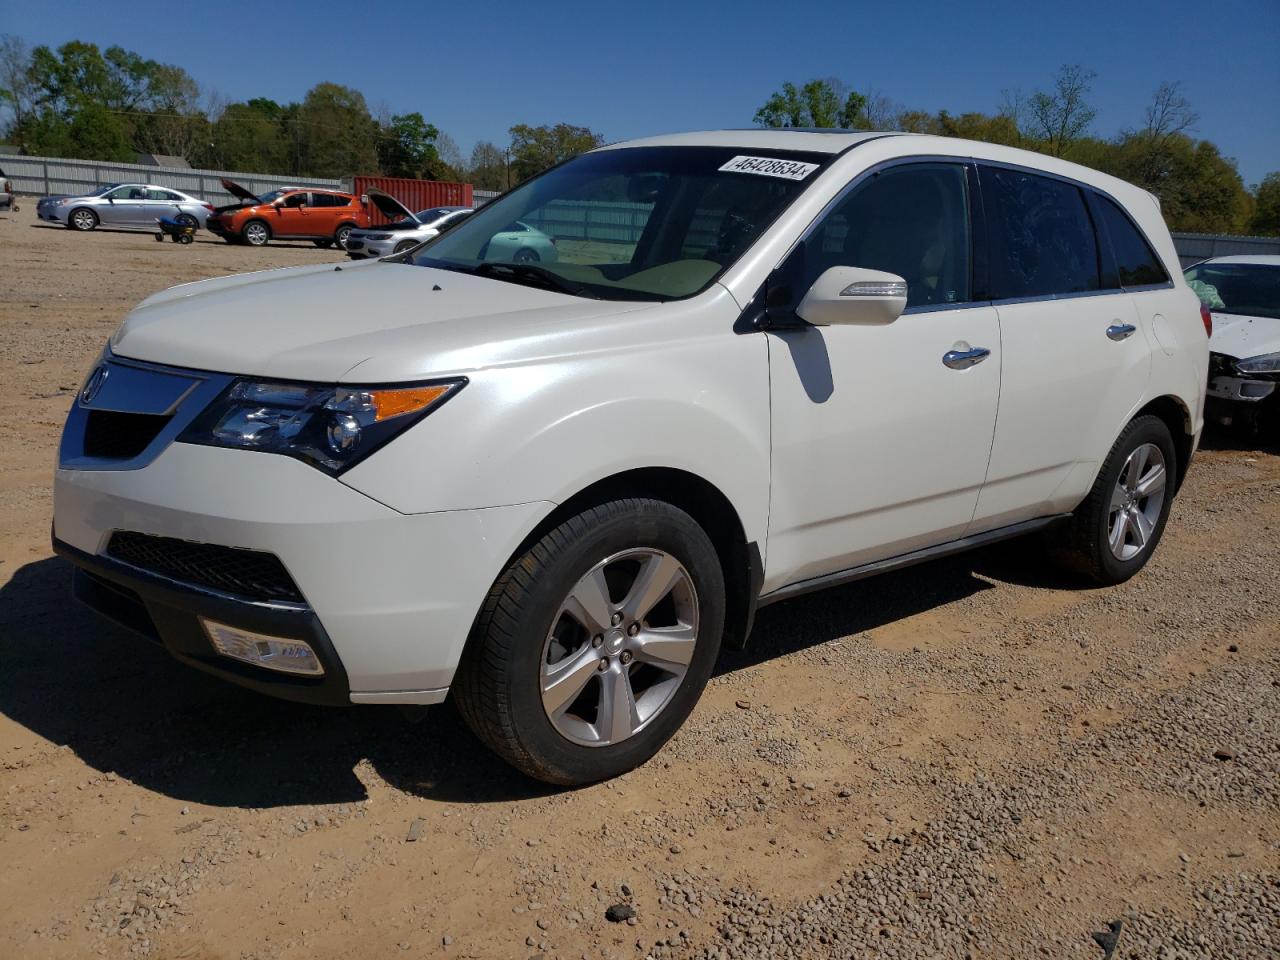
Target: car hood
{"x":236,"y":190}
{"x":370,"y":322}
{"x":1242,"y":337}
{"x":390,"y":207}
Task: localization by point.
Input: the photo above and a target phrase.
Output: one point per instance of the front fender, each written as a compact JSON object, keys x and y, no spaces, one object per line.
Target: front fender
{"x":550,"y":428}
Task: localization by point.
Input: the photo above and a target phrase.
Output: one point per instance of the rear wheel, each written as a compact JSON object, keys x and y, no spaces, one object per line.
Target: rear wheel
{"x":341,"y":234}
{"x":82,"y":219}
{"x":256,"y":233}
{"x":594,"y":645}
{"x":187,"y":220}
{"x":1113,"y":533}
{"x":526,"y":255}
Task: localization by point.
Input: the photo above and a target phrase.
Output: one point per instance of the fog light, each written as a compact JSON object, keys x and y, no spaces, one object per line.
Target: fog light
{"x":273,"y":653}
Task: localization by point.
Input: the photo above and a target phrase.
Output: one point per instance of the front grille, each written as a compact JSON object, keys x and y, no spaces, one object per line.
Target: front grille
{"x":251,"y":574}
{"x":120,"y":436}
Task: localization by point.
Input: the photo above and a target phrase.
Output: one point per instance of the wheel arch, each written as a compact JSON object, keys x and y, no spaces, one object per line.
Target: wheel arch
{"x":711,"y":509}
{"x":1177,"y":417}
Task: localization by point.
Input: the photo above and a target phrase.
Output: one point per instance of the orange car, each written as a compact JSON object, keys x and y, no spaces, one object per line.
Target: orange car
{"x":324,"y":217}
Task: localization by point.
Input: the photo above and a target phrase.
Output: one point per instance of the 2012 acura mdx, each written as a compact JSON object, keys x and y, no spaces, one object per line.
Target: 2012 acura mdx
{"x":764,"y":362}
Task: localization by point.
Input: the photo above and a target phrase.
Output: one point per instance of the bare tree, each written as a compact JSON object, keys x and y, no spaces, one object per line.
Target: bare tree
{"x":448,"y":150}
{"x":881,"y":112}
{"x":1169,"y":112}
{"x":1060,"y":117}
{"x":17,"y":89}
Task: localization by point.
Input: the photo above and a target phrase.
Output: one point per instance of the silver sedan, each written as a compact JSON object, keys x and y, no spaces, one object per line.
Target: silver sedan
{"x":130,"y":206}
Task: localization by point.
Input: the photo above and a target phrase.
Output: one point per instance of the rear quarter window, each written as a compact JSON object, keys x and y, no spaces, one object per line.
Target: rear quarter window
{"x":1039,"y":235}
{"x":1136,"y":262}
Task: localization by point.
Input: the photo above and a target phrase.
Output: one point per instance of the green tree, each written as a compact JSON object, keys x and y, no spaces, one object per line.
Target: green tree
{"x":487,"y":168}
{"x":1266,"y":216}
{"x":1200,"y":190}
{"x":333,"y":133}
{"x":534,"y":149}
{"x":407,"y":148}
{"x":819,"y":103}
{"x":252,"y":137}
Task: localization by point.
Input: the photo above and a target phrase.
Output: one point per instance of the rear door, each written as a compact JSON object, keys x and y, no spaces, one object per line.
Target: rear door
{"x":1075,"y":358}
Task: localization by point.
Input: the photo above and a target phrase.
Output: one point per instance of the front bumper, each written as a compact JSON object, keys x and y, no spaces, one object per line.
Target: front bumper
{"x":389,"y":598}
{"x":168,"y":612}
{"x":1241,"y":389}
{"x":361,"y":248}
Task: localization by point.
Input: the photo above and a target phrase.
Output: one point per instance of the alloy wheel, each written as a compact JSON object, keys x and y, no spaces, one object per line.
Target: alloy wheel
{"x":1137,"y":501}
{"x":619,"y":647}
{"x":256,"y":234}
{"x":85,"y":220}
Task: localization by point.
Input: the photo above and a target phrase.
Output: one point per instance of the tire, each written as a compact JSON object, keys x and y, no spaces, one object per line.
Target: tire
{"x":526,"y":255}
{"x":186,"y":238}
{"x":256,"y":233}
{"x":404,"y":245}
{"x":526,"y":627}
{"x":340,"y":235}
{"x":1092,"y":543}
{"x":82,"y":219}
{"x":159,"y":238}
{"x":324,"y":244}
{"x":187,"y":220}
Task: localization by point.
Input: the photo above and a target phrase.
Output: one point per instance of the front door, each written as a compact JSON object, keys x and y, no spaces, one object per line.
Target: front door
{"x":881,"y":434}
{"x":293,"y":216}
{"x":124,"y":206}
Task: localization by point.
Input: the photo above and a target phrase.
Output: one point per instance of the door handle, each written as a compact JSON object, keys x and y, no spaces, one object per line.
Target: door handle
{"x":964,"y":359}
{"x":1120,"y":331}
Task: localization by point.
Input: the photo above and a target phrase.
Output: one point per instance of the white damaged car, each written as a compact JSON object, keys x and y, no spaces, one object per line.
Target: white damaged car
{"x":1242,"y":294}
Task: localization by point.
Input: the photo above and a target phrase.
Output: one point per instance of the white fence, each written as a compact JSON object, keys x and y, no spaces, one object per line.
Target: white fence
{"x":44,"y":176}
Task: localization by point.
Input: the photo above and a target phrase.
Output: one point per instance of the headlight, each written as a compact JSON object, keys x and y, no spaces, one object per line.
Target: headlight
{"x":64,"y":201}
{"x":1267,"y":363}
{"x":378,"y":236}
{"x":330,"y":427}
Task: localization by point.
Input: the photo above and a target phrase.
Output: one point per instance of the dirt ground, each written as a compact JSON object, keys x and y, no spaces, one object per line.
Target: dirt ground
{"x":973,"y":758}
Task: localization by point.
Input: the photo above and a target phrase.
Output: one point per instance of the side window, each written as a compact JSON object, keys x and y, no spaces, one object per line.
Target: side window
{"x":1135,"y":260}
{"x":1040,"y":238}
{"x":120,"y":193}
{"x":168,"y":196}
{"x":295,"y":200}
{"x":910,"y":220}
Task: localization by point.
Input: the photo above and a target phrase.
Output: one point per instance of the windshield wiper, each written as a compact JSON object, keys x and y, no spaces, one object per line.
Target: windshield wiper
{"x":533,"y":276}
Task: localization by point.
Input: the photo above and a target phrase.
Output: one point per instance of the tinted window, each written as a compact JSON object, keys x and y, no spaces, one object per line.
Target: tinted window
{"x":329,"y":200}
{"x":295,"y":200}
{"x":1039,"y":234}
{"x":166,"y":195}
{"x":1135,"y":260}
{"x":910,"y":220}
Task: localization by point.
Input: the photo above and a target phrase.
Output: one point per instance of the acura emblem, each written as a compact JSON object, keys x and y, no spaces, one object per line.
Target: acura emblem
{"x":93,"y":386}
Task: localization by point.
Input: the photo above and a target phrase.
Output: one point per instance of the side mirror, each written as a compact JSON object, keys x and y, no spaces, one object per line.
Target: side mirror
{"x":854,"y":295}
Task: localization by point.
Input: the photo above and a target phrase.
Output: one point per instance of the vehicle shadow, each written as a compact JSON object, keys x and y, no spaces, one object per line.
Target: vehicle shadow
{"x":1262,"y":438}
{"x":124,"y":706}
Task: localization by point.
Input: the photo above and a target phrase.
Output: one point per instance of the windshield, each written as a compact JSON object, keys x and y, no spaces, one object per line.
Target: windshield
{"x":1251,"y":289}
{"x":273,"y":195}
{"x":105,"y":188}
{"x":637,"y":223}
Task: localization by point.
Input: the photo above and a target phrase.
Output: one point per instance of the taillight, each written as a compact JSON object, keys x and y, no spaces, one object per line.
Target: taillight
{"x":209,"y":206}
{"x":1207,"y":318}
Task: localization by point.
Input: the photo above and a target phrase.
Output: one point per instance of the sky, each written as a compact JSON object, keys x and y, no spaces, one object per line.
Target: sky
{"x":629,"y":70}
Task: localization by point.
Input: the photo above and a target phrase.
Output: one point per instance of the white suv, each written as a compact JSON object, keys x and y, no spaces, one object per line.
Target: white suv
{"x":763,"y":362}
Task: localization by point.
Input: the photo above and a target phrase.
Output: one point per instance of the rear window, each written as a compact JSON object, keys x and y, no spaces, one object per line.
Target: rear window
{"x":329,"y":200}
{"x":1040,"y":237}
{"x":1136,"y":262}
{"x":1250,"y":289}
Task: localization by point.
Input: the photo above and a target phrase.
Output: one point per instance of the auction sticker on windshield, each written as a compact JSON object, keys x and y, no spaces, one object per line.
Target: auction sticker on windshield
{"x":770,"y":167}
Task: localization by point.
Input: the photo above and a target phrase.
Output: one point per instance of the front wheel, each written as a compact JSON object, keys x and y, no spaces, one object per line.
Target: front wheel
{"x":256,"y":233}
{"x":1113,"y":533}
{"x":83,"y":220}
{"x":593,"y":646}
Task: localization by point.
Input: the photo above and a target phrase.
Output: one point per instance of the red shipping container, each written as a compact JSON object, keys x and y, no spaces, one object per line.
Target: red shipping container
{"x":414,"y":194}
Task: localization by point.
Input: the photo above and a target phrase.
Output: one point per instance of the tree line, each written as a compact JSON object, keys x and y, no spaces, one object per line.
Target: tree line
{"x":1200,"y":190}
{"x":84,"y":102}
